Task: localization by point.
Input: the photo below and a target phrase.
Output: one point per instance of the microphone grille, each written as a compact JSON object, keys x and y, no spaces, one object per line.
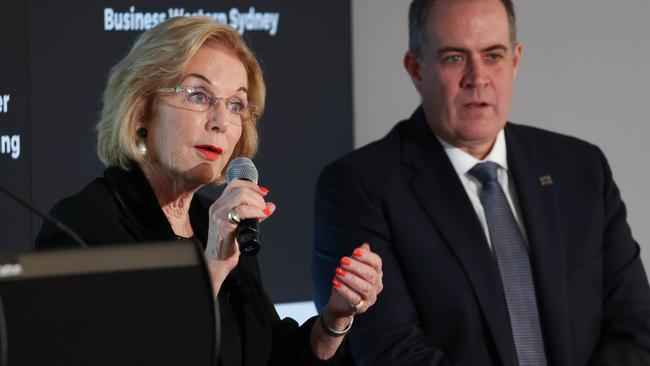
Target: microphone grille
{"x":241,"y":168}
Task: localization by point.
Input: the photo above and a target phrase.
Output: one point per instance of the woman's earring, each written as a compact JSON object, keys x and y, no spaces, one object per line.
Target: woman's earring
{"x":142,"y":134}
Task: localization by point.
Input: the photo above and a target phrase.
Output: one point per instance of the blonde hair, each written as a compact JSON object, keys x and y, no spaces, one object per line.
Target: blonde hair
{"x":156,"y":60}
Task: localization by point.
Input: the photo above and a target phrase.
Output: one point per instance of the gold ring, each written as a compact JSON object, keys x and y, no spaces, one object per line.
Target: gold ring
{"x":233,"y":218}
{"x":357,"y":306}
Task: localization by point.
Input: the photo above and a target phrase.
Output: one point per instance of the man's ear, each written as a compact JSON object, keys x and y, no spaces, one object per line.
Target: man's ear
{"x":413,"y":66}
{"x":516,"y":58}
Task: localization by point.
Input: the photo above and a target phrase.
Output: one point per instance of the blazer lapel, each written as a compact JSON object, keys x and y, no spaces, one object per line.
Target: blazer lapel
{"x":230,"y":349}
{"x":535,"y":190}
{"x":136,"y":197}
{"x":445,"y":201}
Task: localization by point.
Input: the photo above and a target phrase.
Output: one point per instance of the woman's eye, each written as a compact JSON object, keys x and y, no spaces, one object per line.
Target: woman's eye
{"x":198,"y":97}
{"x":235,"y":107}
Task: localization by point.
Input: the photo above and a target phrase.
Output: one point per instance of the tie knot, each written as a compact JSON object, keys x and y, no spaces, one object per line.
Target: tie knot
{"x":484,"y":172}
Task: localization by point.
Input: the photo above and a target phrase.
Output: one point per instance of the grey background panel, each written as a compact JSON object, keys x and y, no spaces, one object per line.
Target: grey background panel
{"x":584,"y":72}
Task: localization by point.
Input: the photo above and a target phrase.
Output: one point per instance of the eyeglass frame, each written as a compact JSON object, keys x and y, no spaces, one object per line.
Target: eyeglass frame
{"x":214,"y":100}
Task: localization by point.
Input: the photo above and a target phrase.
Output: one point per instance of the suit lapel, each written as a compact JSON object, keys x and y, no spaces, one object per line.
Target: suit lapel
{"x":535,"y":190}
{"x":445,"y":201}
{"x":230,"y":349}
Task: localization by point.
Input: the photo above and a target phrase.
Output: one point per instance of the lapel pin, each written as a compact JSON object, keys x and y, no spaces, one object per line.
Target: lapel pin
{"x":545,"y":180}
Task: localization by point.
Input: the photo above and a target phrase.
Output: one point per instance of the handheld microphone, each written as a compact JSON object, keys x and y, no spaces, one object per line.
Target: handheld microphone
{"x":45,"y":217}
{"x":248,"y":230}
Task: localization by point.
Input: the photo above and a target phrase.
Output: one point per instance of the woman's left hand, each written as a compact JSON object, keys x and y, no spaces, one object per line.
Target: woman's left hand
{"x":244,"y":199}
{"x":356,"y":284}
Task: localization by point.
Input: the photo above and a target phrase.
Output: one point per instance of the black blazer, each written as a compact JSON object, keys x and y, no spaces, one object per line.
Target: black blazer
{"x":443,"y":301}
{"x":121,"y":207}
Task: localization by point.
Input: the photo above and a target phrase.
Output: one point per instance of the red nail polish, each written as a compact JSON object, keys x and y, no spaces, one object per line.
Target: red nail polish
{"x":357,"y":253}
{"x":336,"y":283}
{"x":345,"y":261}
{"x":340,"y":271}
{"x":264,"y":190}
{"x":266,"y":211}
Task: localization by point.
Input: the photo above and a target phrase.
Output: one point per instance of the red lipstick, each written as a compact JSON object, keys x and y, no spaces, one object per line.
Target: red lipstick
{"x":210,"y":152}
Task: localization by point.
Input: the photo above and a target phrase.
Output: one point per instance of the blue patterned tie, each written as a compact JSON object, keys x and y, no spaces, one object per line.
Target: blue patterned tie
{"x":514,"y":267}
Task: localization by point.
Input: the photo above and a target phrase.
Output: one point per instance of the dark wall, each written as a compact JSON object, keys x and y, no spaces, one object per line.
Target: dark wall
{"x":54,"y":62}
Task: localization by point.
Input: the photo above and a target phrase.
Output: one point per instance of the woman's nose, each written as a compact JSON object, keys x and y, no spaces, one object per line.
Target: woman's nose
{"x":218,"y":116}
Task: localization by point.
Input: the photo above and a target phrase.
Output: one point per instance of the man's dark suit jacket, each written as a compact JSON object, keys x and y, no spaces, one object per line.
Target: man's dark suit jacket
{"x":121,"y":207}
{"x":443,"y":301}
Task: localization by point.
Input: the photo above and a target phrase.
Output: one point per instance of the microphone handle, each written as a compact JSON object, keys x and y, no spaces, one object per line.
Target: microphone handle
{"x":248,"y":236}
{"x":45,"y":217}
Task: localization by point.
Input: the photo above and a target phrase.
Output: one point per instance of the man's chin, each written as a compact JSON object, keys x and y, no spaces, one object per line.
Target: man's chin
{"x":481,"y":128}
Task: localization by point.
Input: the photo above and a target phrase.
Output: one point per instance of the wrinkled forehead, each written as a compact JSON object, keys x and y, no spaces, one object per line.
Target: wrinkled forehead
{"x":464,"y":23}
{"x":219,"y":67}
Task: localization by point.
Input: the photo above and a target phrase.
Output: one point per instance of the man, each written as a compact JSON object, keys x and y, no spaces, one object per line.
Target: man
{"x":501,"y":244}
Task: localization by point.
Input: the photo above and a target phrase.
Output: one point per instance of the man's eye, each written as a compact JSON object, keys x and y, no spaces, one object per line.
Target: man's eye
{"x":198,"y":97}
{"x":453,"y":59}
{"x":493,"y":57}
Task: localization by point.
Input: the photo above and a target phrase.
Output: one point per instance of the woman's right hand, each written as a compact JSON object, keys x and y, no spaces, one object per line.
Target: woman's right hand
{"x":246,"y":200}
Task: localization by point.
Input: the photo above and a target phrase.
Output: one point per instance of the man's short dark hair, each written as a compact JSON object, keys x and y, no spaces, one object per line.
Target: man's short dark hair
{"x":419,"y":11}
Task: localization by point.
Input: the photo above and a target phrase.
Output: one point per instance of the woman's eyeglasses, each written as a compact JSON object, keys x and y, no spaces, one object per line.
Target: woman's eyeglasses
{"x":199,"y":100}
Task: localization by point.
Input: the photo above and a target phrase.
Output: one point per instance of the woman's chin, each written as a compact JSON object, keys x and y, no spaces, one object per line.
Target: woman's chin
{"x":200,"y":174}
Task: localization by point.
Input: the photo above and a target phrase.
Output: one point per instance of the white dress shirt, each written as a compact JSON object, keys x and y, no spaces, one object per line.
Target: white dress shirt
{"x":463,"y":162}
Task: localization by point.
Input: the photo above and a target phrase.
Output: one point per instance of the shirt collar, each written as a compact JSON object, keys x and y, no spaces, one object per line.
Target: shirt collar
{"x":463,"y":162}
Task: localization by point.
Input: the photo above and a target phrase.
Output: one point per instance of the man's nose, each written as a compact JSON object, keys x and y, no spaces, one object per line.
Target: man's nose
{"x":476,"y":75}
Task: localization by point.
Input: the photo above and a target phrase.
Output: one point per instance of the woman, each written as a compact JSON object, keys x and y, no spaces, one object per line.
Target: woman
{"x":177,"y":109}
